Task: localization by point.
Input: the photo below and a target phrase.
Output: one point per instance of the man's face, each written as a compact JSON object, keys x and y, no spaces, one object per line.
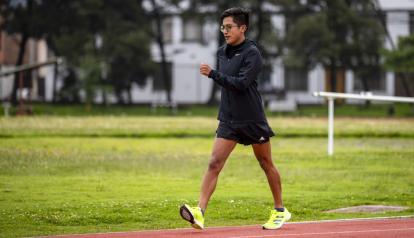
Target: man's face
{"x":233,"y":33}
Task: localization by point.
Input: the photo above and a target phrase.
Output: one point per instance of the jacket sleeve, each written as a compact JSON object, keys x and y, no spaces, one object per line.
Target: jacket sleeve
{"x":247,"y":74}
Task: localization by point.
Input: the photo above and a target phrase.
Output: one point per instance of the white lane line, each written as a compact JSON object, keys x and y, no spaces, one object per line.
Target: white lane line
{"x":324,"y":233}
{"x":354,"y":219}
{"x":317,"y":221}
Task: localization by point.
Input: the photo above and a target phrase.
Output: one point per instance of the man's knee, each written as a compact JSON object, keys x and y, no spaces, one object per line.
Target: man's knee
{"x":265,"y":162}
{"x":216,"y":164}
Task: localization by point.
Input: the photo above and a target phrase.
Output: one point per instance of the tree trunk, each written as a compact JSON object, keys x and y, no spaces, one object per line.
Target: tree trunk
{"x":129,"y":91}
{"x":365,"y":87}
{"x":260,"y":25}
{"x":405,"y":84}
{"x":104,"y":96}
{"x":22,"y":49}
{"x":55,"y":74}
{"x":333,"y":69}
{"x":260,"y":21}
{"x":160,"y":42}
{"x":213,"y":100}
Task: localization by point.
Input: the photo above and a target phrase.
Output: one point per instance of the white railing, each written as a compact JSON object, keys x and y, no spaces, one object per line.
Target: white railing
{"x":363,"y":96}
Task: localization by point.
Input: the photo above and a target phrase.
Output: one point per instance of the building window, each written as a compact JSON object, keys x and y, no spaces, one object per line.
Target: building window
{"x":192,"y":30}
{"x":296,"y":79}
{"x":166,"y":28}
{"x":411,"y":22}
{"x":375,"y":80}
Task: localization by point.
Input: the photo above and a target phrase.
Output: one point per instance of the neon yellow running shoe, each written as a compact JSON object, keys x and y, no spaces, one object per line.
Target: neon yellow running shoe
{"x":277,"y":219}
{"x":192,"y":215}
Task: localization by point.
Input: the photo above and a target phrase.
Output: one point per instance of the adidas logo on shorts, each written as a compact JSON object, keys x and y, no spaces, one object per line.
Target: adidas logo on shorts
{"x":262,"y":138}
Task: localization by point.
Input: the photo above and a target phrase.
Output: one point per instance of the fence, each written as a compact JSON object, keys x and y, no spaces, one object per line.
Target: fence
{"x":364,"y":96}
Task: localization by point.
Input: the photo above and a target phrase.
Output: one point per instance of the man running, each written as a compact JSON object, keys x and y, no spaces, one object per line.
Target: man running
{"x":241,"y":117}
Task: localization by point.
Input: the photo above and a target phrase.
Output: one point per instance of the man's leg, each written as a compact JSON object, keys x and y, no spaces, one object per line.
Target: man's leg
{"x":279,"y":215}
{"x":221,"y":151}
{"x":264,"y":156}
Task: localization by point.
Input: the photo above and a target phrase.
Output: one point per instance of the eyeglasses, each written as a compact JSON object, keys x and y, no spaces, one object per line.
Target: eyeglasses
{"x":227,"y":28}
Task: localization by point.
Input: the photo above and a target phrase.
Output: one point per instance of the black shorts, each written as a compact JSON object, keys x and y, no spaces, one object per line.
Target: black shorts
{"x":245,"y":133}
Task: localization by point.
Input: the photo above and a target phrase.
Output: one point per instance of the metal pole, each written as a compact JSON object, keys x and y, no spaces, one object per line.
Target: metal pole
{"x":365,"y":96}
{"x":27,"y":67}
{"x":331,"y":126}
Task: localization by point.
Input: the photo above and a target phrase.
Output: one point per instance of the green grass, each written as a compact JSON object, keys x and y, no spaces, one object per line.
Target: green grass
{"x":151,"y":126}
{"x":374,"y":110}
{"x":62,"y":175}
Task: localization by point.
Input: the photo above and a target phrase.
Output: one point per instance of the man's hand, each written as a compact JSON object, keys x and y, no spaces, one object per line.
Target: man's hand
{"x":205,"y":69}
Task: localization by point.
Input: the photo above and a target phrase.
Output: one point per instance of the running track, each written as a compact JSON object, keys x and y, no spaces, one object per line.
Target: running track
{"x":402,"y":227}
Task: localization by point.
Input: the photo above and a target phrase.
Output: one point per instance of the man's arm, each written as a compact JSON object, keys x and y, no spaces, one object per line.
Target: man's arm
{"x":247,"y":73}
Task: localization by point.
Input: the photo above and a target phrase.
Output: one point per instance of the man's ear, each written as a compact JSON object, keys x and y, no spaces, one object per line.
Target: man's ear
{"x":243,"y":28}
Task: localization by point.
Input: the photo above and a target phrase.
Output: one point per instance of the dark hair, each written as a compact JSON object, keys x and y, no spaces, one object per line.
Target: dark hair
{"x":240,"y":15}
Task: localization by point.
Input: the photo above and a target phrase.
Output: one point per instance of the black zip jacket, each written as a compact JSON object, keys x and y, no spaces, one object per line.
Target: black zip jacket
{"x":237,"y":74}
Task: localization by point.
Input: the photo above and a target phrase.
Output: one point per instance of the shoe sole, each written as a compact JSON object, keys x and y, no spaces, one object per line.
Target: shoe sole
{"x":287,"y":219}
{"x":188,"y":216}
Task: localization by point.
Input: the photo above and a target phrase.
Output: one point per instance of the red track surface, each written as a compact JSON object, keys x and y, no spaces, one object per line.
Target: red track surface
{"x":362,"y":228}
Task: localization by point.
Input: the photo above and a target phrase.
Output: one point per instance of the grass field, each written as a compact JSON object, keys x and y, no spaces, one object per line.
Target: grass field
{"x":151,"y":126}
{"x":374,"y":110}
{"x":97,"y":174}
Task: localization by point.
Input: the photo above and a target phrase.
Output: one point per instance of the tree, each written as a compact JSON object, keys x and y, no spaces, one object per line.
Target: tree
{"x":69,"y":34}
{"x":19,"y":17}
{"x":126,"y":46}
{"x":267,"y":37}
{"x":107,"y":40}
{"x":157,"y":12}
{"x":337,"y":34}
{"x":112,"y":34}
{"x":401,"y":60}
